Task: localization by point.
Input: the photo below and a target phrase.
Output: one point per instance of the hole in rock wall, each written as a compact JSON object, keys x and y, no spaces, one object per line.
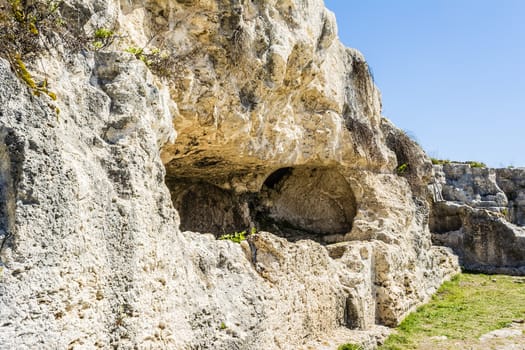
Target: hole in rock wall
{"x":444,"y":219}
{"x":351,"y":314}
{"x":206,"y":208}
{"x":306,"y":203}
{"x":295,"y":203}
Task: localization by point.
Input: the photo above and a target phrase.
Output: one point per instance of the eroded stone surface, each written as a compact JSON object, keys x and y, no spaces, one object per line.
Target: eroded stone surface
{"x":478,"y":213}
{"x":476,"y":187}
{"x":94,"y":256}
{"x":512,"y":183}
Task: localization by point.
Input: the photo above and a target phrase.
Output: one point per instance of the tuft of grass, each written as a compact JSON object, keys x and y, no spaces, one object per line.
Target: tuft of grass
{"x":350,"y":346}
{"x":463,"y":309}
{"x":29,"y":28}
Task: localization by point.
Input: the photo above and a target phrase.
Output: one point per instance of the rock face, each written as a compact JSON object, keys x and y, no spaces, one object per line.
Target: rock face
{"x":265,"y":120}
{"x":479,"y":213}
{"x":512,"y":183}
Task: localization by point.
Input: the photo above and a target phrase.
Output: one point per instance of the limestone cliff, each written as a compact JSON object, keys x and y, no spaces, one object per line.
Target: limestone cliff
{"x":261,"y":119}
{"x":479,"y":212}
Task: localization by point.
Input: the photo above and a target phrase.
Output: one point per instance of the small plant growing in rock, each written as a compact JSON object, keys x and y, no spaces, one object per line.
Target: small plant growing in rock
{"x":138,"y":52}
{"x":23,"y":73}
{"x":161,"y":62}
{"x":103,"y":38}
{"x":238,"y":237}
{"x":402,"y":169}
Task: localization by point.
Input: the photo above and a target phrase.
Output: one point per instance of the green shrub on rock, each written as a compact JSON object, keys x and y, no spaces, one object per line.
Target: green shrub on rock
{"x":238,"y":237}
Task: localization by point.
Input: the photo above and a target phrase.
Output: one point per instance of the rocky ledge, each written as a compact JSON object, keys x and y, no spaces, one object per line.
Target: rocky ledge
{"x":480,"y":214}
{"x":115,"y":187}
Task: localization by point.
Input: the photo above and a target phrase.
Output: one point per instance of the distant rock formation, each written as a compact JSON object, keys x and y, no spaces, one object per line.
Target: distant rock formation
{"x":480,"y":214}
{"x":512,"y":183}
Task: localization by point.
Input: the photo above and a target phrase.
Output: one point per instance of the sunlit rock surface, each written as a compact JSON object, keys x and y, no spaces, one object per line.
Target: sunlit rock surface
{"x":478,"y":212}
{"x":110,"y":210}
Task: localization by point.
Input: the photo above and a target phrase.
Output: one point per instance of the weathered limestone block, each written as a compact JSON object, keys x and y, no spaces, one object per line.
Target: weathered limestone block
{"x":512,"y":182}
{"x":478,"y":215}
{"x":476,"y":187}
{"x":483,"y":240}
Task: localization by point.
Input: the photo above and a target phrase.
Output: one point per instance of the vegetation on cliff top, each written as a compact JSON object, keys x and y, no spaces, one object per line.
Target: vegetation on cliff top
{"x":472,"y":163}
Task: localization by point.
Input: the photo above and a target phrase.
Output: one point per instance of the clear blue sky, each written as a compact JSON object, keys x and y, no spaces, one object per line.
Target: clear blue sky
{"x":451,"y":72}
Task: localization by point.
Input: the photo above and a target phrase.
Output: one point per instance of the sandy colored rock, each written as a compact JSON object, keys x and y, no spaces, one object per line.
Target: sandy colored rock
{"x":265,"y":121}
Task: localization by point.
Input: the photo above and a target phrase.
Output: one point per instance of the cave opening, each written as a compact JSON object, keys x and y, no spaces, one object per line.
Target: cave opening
{"x":292,"y":202}
{"x":207,"y":208}
{"x":306,"y":203}
{"x":275,"y":177}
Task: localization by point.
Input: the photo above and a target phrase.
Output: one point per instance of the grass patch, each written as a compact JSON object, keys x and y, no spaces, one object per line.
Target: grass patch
{"x":463,"y":309}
